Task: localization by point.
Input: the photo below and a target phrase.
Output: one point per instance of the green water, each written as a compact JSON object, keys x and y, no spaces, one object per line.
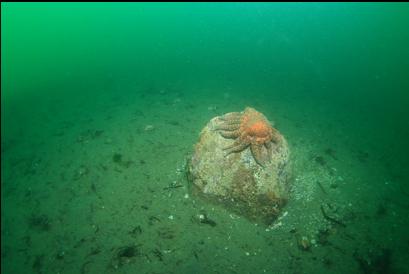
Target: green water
{"x":101,"y":105}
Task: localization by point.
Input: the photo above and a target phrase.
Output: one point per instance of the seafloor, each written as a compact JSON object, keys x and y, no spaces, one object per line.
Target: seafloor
{"x":94,"y":182}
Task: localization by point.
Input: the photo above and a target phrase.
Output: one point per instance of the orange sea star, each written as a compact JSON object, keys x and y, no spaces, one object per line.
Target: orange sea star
{"x":249,"y":128}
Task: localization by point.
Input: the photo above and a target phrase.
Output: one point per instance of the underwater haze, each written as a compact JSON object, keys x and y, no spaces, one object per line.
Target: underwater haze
{"x":101,"y":104}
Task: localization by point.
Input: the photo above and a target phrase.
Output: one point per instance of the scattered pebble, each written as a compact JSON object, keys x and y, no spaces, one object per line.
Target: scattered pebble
{"x":304,"y":243}
{"x":274,"y":226}
{"x":149,"y":128}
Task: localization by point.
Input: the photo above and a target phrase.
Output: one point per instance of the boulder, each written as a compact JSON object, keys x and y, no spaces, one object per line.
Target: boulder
{"x":227,"y":167}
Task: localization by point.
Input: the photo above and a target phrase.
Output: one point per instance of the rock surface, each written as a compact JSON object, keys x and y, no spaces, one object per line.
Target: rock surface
{"x":236,"y":180}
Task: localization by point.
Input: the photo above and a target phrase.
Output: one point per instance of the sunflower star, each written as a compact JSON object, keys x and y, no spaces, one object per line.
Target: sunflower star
{"x":249,"y":128}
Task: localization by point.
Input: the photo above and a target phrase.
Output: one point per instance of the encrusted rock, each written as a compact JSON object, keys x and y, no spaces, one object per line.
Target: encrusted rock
{"x":242,"y":162}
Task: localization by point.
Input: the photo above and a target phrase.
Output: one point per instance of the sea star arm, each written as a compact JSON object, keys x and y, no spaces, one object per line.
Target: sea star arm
{"x":269,"y":148}
{"x":237,"y":146}
{"x":258,"y":155}
{"x":275,"y":136}
{"x":230,"y":134}
{"x":226,"y":127}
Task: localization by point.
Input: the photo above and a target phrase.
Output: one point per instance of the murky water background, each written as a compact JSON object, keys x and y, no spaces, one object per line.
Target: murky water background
{"x":102,"y":103}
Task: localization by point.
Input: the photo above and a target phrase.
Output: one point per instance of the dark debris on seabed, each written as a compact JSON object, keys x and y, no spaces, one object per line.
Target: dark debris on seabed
{"x":378,"y":261}
{"x":39,"y":222}
{"x":337,"y":230}
{"x":369,"y":258}
{"x":118,"y":159}
{"x":89,"y":135}
{"x":203,"y":218}
{"x":125,"y":255}
{"x":131,"y":253}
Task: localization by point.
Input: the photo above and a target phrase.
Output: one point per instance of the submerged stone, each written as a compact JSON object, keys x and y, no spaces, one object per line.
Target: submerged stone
{"x":238,"y":179}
